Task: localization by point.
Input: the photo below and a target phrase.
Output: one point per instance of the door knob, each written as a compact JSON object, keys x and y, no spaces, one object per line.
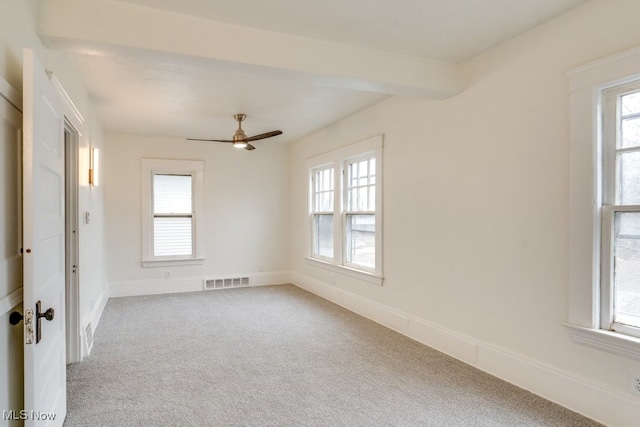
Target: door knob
{"x":48,"y":315}
{"x":15,"y":317}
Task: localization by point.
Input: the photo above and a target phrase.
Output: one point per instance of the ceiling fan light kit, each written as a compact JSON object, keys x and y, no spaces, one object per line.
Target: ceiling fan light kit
{"x":240,"y":139}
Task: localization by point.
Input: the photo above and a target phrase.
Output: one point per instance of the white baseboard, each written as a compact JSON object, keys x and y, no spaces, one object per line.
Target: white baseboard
{"x":98,"y":309}
{"x":94,"y":318}
{"x":188,"y":284}
{"x":579,"y":394}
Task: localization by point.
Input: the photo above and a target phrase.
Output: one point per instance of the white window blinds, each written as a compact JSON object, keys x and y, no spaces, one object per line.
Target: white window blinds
{"x":172,"y":215}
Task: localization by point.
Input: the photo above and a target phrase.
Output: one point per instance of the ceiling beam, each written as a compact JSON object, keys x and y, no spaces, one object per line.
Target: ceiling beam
{"x":108,"y":26}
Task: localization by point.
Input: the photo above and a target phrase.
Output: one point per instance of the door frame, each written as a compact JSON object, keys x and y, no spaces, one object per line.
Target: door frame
{"x":74,"y":128}
{"x":72,"y":283}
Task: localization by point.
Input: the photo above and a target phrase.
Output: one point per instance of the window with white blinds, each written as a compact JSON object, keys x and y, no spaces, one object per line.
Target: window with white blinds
{"x":172,"y":215}
{"x":172,"y":226}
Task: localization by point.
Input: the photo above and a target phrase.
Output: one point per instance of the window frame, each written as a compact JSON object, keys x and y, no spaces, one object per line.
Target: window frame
{"x":611,"y":204}
{"x":338,"y":160}
{"x":588,"y":299}
{"x":194,"y":168}
{"x":315,"y":211}
{"x":347,"y":211}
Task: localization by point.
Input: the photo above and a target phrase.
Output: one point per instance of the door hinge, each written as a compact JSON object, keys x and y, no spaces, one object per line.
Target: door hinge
{"x":28,"y":326}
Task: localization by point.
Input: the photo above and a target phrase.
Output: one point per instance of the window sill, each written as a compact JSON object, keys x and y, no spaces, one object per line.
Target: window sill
{"x":173,"y":262}
{"x":347,"y":271}
{"x":612,"y":342}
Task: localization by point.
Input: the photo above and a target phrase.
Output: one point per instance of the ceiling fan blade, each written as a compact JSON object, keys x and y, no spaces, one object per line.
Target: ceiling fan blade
{"x":209,"y":140}
{"x":263,"y":135}
{"x":249,"y":147}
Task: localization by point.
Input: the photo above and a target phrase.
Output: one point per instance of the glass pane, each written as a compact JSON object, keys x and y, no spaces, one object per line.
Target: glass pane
{"x":629,"y":178}
{"x":630,"y":129}
{"x":327,"y":201}
{"x":372,"y":198}
{"x":352,"y":199}
{"x":323,"y":235}
{"x":361,"y":240}
{"x":323,"y":190}
{"x":363,"y":198}
{"x":172,"y":194}
{"x":172,"y":236}
{"x":363,"y":173}
{"x":630,"y":104}
{"x":353,"y":174}
{"x":627,"y":268}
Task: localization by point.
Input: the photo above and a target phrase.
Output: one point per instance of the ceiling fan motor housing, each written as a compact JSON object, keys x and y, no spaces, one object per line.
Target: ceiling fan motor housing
{"x":239,"y":135}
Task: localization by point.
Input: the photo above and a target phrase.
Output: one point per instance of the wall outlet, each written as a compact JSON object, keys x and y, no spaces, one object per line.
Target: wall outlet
{"x":635,"y":384}
{"x":261,"y":267}
{"x":167,"y":274}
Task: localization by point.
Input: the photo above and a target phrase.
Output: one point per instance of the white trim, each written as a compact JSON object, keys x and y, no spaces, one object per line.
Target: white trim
{"x":71,"y":112}
{"x":158,"y":166}
{"x":10,"y":94}
{"x":337,"y":159}
{"x":351,"y":272}
{"x":9,"y":302}
{"x":612,"y":342}
{"x":613,"y":70}
{"x":173,"y":262}
{"x":129,"y":288}
{"x":93,"y":318}
{"x":587,"y":84}
{"x":593,"y":400}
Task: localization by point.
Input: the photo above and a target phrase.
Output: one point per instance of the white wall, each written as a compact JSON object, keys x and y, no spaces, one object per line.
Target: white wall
{"x":18,"y":22}
{"x":246,"y":213}
{"x":476,"y":214}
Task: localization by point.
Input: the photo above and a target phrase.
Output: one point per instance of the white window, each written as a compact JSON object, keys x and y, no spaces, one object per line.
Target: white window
{"x":604,"y":205}
{"x":620,"y":181}
{"x":322,"y":202}
{"x":172,"y":217}
{"x":360,"y":212}
{"x":345,"y":210}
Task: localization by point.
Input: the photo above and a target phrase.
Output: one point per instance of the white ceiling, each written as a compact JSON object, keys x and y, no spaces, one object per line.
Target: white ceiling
{"x":443,"y":29}
{"x":138,"y":87}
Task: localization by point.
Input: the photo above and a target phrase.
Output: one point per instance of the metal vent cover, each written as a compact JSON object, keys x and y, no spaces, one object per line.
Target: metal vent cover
{"x":227,"y":282}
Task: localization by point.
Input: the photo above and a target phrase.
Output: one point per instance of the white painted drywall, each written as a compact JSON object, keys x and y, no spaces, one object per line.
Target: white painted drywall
{"x":246,"y":207}
{"x":476,"y":200}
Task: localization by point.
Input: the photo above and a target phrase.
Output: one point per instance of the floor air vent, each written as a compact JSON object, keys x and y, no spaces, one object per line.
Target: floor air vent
{"x":89,"y":336}
{"x":229,"y":282}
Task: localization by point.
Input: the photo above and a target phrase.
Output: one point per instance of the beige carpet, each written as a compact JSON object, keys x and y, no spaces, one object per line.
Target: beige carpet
{"x":279,"y":356}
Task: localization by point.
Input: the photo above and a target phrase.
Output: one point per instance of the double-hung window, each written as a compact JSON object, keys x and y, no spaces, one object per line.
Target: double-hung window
{"x":322,"y":202}
{"x":172,"y":212}
{"x":604,"y":204}
{"x":360,"y":212}
{"x":345,"y":210}
{"x":620,"y":180}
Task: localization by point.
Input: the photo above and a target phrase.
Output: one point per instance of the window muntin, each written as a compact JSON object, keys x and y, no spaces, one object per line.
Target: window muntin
{"x":620,"y":248}
{"x":323,"y":196}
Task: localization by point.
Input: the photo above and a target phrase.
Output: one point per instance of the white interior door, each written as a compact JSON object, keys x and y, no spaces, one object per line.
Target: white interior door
{"x":45,"y":397}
